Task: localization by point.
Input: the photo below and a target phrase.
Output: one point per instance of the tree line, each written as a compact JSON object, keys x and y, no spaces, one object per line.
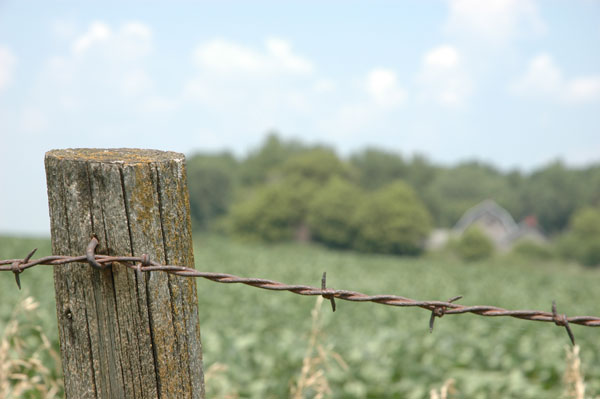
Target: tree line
{"x":376,"y":200}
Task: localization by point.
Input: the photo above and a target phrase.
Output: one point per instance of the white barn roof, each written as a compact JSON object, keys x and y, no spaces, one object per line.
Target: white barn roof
{"x":486,"y":209}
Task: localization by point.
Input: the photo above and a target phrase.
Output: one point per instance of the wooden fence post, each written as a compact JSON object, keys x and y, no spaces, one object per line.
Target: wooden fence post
{"x":124,"y":336}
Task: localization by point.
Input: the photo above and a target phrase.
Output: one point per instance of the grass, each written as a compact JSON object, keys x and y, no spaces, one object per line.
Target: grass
{"x":313,"y":382}
{"x":29,"y":363}
{"x":446,"y":391}
{"x":257,"y":343}
{"x":36,"y":282}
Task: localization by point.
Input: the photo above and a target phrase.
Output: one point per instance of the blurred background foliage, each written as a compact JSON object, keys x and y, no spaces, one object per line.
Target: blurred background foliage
{"x":474,"y":245}
{"x":253,"y":216}
{"x":380,"y":201}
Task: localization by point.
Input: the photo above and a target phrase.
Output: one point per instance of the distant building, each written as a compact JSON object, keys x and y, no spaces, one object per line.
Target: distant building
{"x":495,"y":222}
{"x":527,"y":229}
{"x":491,"y":219}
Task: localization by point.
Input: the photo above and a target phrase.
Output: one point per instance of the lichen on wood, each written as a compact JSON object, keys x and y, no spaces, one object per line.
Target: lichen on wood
{"x":120,"y":336}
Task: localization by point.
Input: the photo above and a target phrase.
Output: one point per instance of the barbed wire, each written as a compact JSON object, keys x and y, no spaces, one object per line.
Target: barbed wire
{"x":143,"y":263}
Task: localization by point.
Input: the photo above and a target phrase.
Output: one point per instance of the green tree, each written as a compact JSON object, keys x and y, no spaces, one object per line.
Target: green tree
{"x":392,"y":220}
{"x":331,"y":211}
{"x":261,"y":164}
{"x":474,"y":245}
{"x":591,"y":177}
{"x":582,"y":241}
{"x":211,"y":182}
{"x":454,"y":190}
{"x":318,"y":165}
{"x":512,"y":195}
{"x":273,"y":213}
{"x":421,"y":173}
{"x":376,"y":168}
{"x":279,"y":208}
{"x":552,"y":194}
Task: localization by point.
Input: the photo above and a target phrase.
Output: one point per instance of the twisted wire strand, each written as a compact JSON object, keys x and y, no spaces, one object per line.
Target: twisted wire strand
{"x":143,"y":264}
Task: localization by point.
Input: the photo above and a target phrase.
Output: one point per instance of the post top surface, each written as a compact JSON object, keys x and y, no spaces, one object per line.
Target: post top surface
{"x":115,"y":155}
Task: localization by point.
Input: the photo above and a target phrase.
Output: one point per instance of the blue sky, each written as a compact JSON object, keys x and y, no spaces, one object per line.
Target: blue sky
{"x":512,"y":82}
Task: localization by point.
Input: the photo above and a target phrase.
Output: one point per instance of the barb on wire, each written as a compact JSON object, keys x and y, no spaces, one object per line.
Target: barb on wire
{"x":16,"y":266}
{"x":562,"y":320}
{"x":439,"y":311}
{"x":90,"y":253}
{"x":324,"y":288}
{"x":143,"y":264}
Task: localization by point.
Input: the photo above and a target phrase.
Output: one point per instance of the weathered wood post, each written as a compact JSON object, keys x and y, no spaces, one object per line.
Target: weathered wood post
{"x":122,"y":336}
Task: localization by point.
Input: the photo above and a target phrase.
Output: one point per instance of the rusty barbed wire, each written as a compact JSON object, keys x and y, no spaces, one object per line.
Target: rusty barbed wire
{"x":143,"y":263}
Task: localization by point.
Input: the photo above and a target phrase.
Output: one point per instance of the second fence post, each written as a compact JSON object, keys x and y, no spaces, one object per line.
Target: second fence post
{"x":124,"y":335}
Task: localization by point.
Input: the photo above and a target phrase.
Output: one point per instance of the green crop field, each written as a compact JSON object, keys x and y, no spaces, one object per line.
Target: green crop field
{"x":254,"y":341}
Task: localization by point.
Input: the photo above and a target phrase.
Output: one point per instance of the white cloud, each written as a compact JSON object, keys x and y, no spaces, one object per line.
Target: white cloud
{"x":98,"y":32}
{"x":106,"y":68}
{"x":137,"y":29}
{"x":134,"y":40}
{"x":227,"y":57}
{"x":131,"y":41}
{"x":281,"y":52}
{"x":442,"y":57}
{"x":222,"y":55}
{"x":495,"y":21}
{"x":583,"y":89}
{"x":382,"y":86}
{"x":355,"y":114}
{"x":8,"y":62}
{"x":544,"y":78}
{"x":442,"y":78}
{"x":267,"y":84}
